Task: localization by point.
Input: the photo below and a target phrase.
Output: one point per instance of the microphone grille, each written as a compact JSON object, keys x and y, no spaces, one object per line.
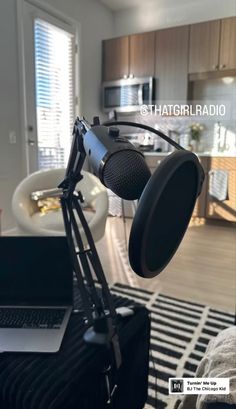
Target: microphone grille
{"x":126,"y":174}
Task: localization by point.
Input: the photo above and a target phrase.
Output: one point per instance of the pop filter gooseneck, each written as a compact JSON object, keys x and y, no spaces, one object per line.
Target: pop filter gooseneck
{"x":165,"y":208}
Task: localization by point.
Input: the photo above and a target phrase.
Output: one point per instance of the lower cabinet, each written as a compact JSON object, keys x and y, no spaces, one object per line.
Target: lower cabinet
{"x":199,"y":211}
{"x":200,"y":206}
{"x":153,"y":161}
{"x":206,"y":206}
{"x":223,"y":210}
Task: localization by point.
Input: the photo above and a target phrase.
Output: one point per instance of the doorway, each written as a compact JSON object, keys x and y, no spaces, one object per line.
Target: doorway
{"x":49,"y":55}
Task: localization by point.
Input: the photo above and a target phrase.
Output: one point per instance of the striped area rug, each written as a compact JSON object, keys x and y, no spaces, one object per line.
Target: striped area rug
{"x":180,"y":332}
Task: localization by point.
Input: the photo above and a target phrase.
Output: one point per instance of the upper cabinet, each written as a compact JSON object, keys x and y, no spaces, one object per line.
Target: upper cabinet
{"x":202,"y":50}
{"x":228,"y":44}
{"x":129,"y":56}
{"x":171,"y":65}
{"x":212,"y":46}
{"x":115,"y":58}
{"x":142,"y":49}
{"x":204,"y":47}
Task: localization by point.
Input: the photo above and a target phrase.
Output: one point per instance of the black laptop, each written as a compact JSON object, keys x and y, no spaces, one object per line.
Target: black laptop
{"x":36,"y":293}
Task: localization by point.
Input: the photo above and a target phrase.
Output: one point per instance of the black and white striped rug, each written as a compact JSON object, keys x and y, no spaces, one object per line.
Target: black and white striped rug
{"x":180,"y":332}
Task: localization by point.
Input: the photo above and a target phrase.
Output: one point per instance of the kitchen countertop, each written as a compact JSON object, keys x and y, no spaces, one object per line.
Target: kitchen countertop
{"x":215,"y":154}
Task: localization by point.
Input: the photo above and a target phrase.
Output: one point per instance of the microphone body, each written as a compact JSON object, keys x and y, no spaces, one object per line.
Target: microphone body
{"x":116,"y":162}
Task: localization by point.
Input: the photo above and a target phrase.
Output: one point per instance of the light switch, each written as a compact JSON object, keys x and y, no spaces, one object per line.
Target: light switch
{"x":12,"y":137}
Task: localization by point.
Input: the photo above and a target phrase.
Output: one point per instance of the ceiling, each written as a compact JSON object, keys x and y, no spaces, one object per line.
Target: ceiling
{"x":116,"y":5}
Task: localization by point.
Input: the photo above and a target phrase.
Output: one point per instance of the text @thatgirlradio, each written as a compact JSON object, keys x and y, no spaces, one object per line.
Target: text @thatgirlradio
{"x":222,"y":111}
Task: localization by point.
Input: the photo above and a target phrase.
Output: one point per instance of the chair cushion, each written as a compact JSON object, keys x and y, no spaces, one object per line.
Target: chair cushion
{"x":53,"y":220}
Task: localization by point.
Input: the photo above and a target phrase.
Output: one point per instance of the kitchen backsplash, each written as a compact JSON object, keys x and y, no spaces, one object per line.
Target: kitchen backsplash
{"x":217,"y":136}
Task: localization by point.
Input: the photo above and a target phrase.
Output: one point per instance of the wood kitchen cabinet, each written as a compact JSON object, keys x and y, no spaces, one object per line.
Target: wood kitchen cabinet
{"x":142,"y":49}
{"x":213,"y":46}
{"x":204,"y":46}
{"x":171,"y":54}
{"x":171,"y":64}
{"x":227,"y":59}
{"x":129,"y":56}
{"x":225,"y":210}
{"x":115,"y":58}
{"x":153,"y":161}
{"x":206,"y":207}
{"x":200,"y":206}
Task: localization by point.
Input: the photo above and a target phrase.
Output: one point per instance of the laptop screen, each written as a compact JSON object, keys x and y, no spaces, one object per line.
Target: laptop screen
{"x":35,"y":271}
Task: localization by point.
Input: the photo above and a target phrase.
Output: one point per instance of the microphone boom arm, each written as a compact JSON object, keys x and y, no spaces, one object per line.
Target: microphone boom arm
{"x":83,"y":258}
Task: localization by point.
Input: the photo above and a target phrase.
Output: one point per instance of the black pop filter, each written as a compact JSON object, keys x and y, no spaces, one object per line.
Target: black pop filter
{"x":164,"y":211}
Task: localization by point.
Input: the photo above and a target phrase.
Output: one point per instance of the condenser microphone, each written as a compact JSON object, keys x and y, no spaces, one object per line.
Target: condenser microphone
{"x":119,"y":166}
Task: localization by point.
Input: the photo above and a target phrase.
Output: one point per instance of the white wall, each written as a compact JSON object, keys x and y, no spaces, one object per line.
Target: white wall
{"x":10,"y":155}
{"x":162,"y":14}
{"x":96,"y":23}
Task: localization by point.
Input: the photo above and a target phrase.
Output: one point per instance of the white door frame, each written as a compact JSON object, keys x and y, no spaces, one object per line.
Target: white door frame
{"x":75,"y":26}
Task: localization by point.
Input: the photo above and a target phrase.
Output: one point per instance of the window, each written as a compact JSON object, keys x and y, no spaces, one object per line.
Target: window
{"x":54,"y":75}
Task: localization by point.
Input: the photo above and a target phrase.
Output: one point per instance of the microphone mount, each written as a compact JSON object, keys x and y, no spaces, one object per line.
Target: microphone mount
{"x":99,"y":311}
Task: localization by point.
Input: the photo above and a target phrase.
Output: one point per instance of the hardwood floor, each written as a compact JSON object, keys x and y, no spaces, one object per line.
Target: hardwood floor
{"x":203,"y":269}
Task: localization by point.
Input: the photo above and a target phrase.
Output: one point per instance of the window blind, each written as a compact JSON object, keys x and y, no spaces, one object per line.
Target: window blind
{"x":54,"y":75}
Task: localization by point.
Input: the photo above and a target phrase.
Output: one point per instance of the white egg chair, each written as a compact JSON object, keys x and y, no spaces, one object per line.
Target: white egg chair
{"x":31,"y":221}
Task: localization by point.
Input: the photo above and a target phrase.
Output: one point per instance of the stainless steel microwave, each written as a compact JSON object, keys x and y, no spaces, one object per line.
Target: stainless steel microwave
{"x":127,"y":95}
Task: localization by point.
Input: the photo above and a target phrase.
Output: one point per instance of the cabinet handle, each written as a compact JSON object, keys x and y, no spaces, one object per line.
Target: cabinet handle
{"x":222,"y":66}
{"x":215,"y":67}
